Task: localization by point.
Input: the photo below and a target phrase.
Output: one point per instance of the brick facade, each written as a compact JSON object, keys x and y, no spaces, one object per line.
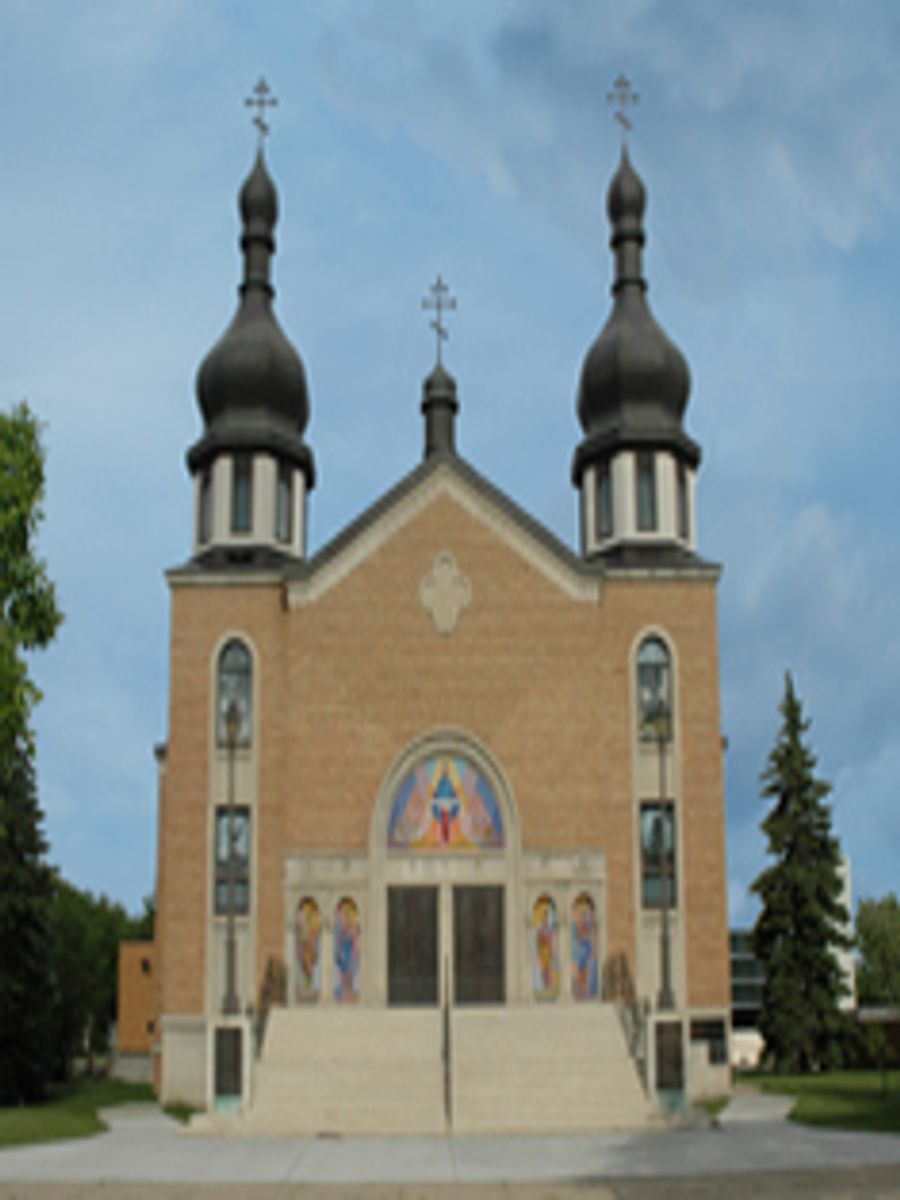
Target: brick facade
{"x":349,"y":674}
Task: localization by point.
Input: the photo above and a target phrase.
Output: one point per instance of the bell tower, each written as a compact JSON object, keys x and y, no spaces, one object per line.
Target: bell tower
{"x":252,"y":470}
{"x":635,"y":466}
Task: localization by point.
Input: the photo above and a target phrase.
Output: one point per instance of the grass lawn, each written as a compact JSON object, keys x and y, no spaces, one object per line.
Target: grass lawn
{"x":842,"y":1099}
{"x":70,"y":1112}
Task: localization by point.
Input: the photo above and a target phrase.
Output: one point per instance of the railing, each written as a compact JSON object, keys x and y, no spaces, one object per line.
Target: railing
{"x":619,"y":989}
{"x":446,"y":1048}
{"x":272,"y":991}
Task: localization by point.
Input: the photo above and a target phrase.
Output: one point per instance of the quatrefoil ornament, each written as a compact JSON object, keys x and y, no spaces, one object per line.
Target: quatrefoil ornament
{"x":445,"y":592}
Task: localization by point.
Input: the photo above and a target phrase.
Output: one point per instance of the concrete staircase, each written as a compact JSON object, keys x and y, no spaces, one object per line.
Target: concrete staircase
{"x":376,"y":1071}
{"x":544,"y":1070}
{"x":349,"y":1070}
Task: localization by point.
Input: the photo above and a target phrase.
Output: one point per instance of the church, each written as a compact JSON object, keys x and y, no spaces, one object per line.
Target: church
{"x":441,"y":839}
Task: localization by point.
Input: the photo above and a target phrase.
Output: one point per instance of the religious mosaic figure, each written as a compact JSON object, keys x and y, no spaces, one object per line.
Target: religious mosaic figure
{"x":443,"y":803}
{"x":584,"y":948}
{"x":308,"y":944}
{"x":545,"y":949}
{"x":347,"y":947}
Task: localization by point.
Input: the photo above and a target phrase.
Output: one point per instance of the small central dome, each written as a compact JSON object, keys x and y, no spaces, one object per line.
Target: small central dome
{"x":634,"y":380}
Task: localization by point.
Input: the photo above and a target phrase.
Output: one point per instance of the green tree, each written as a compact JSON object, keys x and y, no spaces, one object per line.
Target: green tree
{"x":802,"y":921}
{"x":25,"y":895}
{"x":29,"y":616}
{"x":878,"y":937}
{"x":28,"y":620}
{"x":86,"y":932}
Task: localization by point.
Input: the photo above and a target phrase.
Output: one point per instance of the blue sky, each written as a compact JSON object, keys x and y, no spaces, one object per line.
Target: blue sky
{"x":470,"y":138}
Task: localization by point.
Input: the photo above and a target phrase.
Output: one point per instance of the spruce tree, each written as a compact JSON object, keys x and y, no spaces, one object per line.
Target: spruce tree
{"x":27,"y":993}
{"x":802,"y":921}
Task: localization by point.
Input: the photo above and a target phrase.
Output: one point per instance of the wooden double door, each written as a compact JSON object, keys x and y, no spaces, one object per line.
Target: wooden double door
{"x":436,"y":948}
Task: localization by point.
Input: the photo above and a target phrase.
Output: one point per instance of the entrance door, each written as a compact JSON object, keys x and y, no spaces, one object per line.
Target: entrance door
{"x":412,"y":945}
{"x":478,"y":956}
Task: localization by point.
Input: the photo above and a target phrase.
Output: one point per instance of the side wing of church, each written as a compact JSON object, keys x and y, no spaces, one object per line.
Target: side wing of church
{"x":441,"y":822}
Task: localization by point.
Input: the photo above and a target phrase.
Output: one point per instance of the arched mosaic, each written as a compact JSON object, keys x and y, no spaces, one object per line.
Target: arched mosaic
{"x":445,"y":803}
{"x":308,"y":951}
{"x":584,"y":948}
{"x":545,"y":949}
{"x":347,"y":951}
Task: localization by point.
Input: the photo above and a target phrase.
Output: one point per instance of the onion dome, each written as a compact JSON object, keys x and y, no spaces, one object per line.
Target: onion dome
{"x":251,"y":387}
{"x":634,"y":382}
{"x":439,"y":407}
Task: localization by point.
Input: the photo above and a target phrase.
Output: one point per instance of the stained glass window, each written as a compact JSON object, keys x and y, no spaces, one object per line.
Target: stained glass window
{"x":658,"y":879}
{"x":242,"y":494}
{"x":584,"y":948}
{"x":233,"y":829}
{"x":307,"y":948}
{"x":646,"y":492}
{"x":604,"y":501}
{"x":283,"y":502}
{"x":545,"y":949}
{"x":654,"y":690}
{"x":347,"y":951}
{"x":445,"y":803}
{"x":234,"y":684}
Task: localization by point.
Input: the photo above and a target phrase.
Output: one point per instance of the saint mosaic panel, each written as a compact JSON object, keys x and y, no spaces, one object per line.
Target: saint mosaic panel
{"x":307,"y":949}
{"x":347,"y":951}
{"x":584,"y":948}
{"x":444,"y":803}
{"x":545,"y":949}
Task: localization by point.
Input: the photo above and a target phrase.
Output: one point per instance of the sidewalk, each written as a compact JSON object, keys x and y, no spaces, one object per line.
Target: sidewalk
{"x":144,"y":1146}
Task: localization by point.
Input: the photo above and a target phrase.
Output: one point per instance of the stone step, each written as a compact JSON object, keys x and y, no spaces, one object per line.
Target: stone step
{"x":528,"y":1069}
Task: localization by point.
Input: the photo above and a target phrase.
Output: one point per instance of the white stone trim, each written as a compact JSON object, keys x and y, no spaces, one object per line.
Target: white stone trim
{"x":645,"y":789}
{"x":500,"y":867}
{"x":246,"y":789}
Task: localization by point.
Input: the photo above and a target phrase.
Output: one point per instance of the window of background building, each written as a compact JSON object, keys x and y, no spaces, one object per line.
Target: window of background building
{"x":658,"y":854}
{"x":240,"y":851}
{"x":242,"y":494}
{"x":646,"y":492}
{"x":234,"y":683}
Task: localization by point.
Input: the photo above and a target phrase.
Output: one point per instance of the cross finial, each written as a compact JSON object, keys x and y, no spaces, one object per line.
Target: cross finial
{"x":439,"y":301}
{"x":261,"y":100}
{"x":622,"y":95}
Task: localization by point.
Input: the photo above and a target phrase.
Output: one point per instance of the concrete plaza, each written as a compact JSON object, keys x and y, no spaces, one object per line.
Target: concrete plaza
{"x":754,"y":1151}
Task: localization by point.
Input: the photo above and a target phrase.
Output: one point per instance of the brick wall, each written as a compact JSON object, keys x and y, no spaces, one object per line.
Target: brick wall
{"x":540,"y":679}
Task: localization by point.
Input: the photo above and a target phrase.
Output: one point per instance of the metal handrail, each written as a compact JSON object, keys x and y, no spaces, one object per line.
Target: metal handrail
{"x":446,"y":1048}
{"x":619,"y":989}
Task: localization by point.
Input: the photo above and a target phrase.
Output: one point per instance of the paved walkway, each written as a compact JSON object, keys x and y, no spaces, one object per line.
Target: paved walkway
{"x":143,"y":1147}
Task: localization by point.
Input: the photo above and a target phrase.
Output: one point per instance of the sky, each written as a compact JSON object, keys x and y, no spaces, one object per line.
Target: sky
{"x":470,"y":138}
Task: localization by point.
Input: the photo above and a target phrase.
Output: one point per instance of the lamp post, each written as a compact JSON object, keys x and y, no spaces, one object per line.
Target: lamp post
{"x":661,"y":717}
{"x":230,"y":1004}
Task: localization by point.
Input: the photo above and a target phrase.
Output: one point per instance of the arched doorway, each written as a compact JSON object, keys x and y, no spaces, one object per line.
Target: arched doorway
{"x":445,"y":893}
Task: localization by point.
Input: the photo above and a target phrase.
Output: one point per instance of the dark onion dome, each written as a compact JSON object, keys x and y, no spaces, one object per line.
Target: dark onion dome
{"x":634,"y":382}
{"x":251,"y":387}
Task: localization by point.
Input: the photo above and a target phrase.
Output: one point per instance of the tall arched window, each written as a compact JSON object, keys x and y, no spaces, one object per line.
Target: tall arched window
{"x":654,"y":690}
{"x":234,"y":683}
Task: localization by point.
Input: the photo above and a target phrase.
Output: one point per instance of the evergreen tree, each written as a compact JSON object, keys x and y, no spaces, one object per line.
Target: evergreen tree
{"x":26,"y":889}
{"x":28,"y":620}
{"x":802,"y":919}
